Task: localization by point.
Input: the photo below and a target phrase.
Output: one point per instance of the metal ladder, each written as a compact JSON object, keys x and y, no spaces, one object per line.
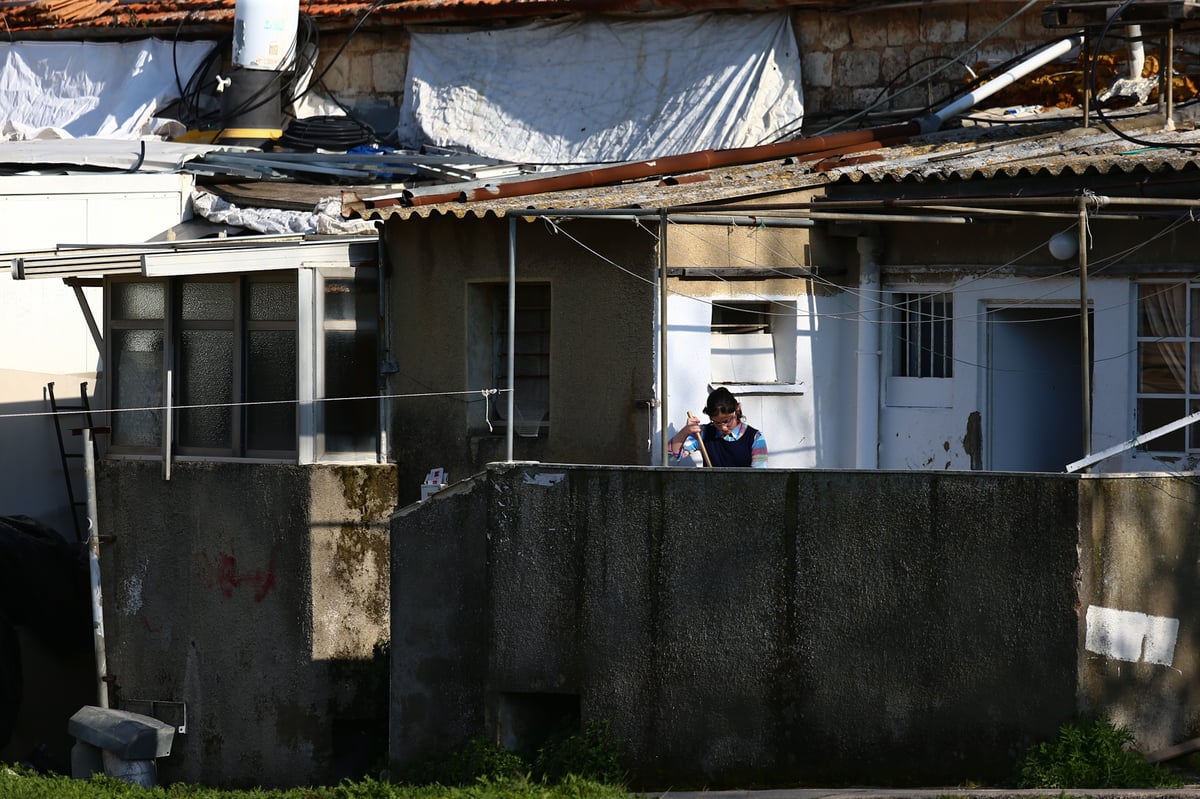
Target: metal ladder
{"x":78,"y":506}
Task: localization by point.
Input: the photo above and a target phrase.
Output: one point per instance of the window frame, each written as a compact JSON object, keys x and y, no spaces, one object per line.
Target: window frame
{"x":487,"y":324}
{"x":939,"y":313}
{"x":309,"y":341}
{"x":1188,"y":399}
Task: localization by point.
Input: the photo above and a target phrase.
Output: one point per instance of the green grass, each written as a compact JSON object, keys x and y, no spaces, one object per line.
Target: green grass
{"x":16,"y":783}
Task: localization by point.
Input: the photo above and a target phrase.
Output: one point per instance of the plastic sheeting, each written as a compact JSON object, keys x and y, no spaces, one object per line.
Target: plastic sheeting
{"x":75,"y":89}
{"x":590,"y":91}
{"x":324,"y":219}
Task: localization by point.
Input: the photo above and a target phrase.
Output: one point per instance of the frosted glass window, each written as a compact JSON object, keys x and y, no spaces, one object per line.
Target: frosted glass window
{"x":138,"y":366}
{"x":272,"y":301}
{"x":139,"y":300}
{"x":206,"y":301}
{"x":206,"y":378}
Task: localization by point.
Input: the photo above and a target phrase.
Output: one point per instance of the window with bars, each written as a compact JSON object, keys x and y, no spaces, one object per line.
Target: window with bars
{"x":924,"y":338}
{"x":1168,"y":370}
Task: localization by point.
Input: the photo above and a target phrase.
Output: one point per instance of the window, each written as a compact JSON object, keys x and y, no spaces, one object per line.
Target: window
{"x":232,"y":348}
{"x":753,"y":342}
{"x":488,"y":354}
{"x":1168,"y":347}
{"x":924,"y":344}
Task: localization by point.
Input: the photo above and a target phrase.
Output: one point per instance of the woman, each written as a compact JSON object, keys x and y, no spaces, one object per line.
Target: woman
{"x":728,"y":440}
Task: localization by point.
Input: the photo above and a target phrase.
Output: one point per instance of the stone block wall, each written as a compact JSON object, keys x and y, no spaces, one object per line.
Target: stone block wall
{"x":850,"y":57}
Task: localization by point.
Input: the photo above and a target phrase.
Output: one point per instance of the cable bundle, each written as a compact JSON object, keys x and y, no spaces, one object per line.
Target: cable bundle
{"x":326,"y":133}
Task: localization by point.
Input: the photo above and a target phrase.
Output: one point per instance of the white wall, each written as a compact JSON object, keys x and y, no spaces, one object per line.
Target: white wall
{"x":43,"y":335}
{"x":930,"y":433}
{"x":787,"y":410}
{"x":923,"y":424}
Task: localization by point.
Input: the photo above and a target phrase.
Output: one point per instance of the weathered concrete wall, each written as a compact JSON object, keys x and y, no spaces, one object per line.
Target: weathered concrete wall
{"x":1140,"y":631}
{"x":255,"y":594}
{"x":748,"y":627}
{"x":438,"y":264}
{"x":438,"y":677}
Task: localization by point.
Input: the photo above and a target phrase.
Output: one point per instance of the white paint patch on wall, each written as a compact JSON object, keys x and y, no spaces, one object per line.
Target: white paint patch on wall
{"x":133,"y":594}
{"x":1133,"y":637}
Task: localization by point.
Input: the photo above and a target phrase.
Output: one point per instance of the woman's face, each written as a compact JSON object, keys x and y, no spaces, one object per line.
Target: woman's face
{"x":726,"y":421}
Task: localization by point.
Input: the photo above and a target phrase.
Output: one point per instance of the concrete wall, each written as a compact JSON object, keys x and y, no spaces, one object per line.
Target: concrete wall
{"x":256,"y":595}
{"x":601,"y":356}
{"x":1140,"y":626}
{"x":743,"y":628}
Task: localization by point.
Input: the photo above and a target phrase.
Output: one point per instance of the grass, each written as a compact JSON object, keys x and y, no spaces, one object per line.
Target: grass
{"x":16,"y":783}
{"x":570,"y":765}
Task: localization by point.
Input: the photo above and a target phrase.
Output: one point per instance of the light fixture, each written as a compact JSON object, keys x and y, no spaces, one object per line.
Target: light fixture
{"x":1064,"y":244}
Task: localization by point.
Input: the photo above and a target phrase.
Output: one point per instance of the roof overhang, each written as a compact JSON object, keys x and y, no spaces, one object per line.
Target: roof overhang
{"x":212,"y":256}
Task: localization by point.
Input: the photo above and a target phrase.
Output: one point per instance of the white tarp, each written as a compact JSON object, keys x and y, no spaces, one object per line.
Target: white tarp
{"x":589,"y":91}
{"x":75,"y":89}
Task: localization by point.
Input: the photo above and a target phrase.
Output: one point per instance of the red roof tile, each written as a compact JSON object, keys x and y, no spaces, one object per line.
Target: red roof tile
{"x":17,"y":16}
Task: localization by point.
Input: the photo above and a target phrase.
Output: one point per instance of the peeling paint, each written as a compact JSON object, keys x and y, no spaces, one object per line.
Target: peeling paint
{"x":973,"y":440}
{"x":1132,"y":637}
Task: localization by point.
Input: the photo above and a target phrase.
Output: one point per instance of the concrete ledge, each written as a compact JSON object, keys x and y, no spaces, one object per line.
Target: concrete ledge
{"x":129,"y":736}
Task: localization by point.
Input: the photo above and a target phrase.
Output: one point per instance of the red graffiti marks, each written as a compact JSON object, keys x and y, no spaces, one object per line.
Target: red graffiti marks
{"x":222,"y":573}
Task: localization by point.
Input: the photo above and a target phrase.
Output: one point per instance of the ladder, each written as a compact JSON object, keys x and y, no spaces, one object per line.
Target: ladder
{"x":78,"y":506}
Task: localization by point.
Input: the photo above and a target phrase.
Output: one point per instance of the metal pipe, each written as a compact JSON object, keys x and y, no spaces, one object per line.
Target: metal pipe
{"x":1169,"y":89}
{"x":869,"y":355}
{"x":1036,"y":61}
{"x":1064,"y":200}
{"x":663,"y":416}
{"x":512,"y":334}
{"x":89,"y":472}
{"x":747,"y":220}
{"x":671,"y":164}
{"x":384,"y":333}
{"x":1084,"y":340}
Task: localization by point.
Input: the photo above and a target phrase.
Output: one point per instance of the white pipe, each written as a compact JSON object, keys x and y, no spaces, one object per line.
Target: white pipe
{"x":1039,"y":59}
{"x":869,"y":355}
{"x":89,"y":473}
{"x":1137,"y":52}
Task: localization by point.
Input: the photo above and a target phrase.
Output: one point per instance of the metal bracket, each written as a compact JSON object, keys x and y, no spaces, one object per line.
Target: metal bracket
{"x":165,"y":710}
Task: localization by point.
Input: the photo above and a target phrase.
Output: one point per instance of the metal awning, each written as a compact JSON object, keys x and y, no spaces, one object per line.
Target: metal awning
{"x":204,"y":256}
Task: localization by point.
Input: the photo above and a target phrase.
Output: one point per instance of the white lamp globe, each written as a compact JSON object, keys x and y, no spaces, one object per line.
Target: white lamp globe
{"x":1064,"y":245}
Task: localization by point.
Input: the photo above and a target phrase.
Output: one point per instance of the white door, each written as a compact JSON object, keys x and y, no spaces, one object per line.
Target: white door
{"x":1035,"y":412}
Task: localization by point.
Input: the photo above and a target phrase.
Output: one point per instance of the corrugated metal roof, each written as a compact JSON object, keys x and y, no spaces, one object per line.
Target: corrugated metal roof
{"x":956,"y":156}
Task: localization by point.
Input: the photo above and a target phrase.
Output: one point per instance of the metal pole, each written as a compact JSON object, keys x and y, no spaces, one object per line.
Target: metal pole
{"x":1084,"y":341}
{"x":89,"y":471}
{"x":662,"y":334}
{"x":512,"y":331}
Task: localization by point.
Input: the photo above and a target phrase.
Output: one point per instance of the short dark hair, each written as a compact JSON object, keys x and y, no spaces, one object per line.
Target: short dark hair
{"x":721,"y":400}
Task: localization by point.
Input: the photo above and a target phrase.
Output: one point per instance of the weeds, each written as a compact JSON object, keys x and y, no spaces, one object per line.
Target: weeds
{"x":1091,"y":754}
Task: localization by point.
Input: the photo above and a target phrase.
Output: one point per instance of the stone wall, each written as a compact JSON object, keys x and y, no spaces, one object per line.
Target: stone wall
{"x":848,"y":57}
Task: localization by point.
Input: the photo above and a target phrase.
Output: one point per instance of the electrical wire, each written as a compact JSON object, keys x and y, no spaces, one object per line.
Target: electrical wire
{"x":783,"y":132}
{"x":1090,"y":85}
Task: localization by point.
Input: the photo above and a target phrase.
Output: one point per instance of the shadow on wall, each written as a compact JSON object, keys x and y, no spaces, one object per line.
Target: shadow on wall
{"x":47,"y":665}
